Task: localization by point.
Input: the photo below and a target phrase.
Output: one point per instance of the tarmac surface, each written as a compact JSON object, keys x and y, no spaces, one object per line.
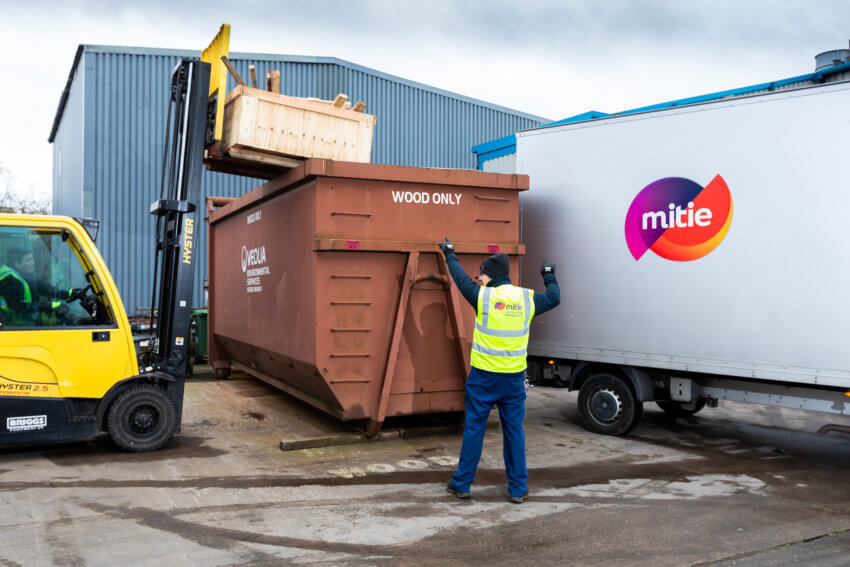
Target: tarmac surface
{"x":737,"y":485}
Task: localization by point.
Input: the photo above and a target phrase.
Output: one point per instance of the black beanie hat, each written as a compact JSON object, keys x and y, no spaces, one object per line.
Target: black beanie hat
{"x":496,"y":266}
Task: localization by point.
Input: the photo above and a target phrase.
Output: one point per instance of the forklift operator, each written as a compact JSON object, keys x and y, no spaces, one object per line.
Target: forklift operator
{"x":498,"y":360}
{"x":21,"y":295}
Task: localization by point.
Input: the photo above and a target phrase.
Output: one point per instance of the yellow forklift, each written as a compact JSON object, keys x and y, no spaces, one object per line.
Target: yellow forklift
{"x":68,"y":365}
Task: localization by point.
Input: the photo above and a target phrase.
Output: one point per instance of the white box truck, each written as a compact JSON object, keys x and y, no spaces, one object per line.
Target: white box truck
{"x":703,"y":254}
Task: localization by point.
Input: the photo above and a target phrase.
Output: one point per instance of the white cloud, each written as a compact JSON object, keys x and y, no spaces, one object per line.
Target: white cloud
{"x":551,"y":58}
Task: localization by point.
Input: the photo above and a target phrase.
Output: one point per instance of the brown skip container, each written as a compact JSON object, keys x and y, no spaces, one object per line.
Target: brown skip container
{"x":327,"y":282}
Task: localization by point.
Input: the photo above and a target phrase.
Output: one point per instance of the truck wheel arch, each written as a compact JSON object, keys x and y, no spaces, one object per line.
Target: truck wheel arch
{"x":639,"y":379}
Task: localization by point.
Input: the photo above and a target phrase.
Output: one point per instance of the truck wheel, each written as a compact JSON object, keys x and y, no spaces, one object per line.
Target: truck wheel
{"x":142,"y":418}
{"x":607,"y":405}
{"x":678,"y":409}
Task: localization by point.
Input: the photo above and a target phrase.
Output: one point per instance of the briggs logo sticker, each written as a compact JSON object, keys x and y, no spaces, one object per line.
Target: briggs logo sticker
{"x":678,"y":219}
{"x":26,"y":423}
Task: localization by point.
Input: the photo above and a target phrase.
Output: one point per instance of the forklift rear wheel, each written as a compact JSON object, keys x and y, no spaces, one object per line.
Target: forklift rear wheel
{"x":678,"y":409}
{"x":142,"y":418}
{"x":608,"y":405}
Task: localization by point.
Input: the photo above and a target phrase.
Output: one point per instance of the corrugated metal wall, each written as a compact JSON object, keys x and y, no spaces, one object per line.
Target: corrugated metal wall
{"x":128,"y":127}
{"x":124,"y":111}
{"x":68,"y":153}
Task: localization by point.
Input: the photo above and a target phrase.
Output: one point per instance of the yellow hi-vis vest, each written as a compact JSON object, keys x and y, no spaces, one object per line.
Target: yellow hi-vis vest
{"x":6,"y":272}
{"x":500,"y":341}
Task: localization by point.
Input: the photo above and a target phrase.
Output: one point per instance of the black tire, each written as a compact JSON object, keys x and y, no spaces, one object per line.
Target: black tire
{"x":608,"y":405}
{"x":142,"y":418}
{"x":677,"y":409}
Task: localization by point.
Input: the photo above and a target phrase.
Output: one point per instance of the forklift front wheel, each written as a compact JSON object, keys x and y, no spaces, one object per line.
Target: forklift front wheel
{"x":142,"y":418}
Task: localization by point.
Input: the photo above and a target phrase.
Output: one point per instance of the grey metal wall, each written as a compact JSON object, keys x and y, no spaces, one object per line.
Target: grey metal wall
{"x":124,"y":107}
{"x":68,"y":153}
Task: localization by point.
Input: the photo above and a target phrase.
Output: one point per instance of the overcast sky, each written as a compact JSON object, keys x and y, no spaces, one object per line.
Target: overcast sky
{"x":550,"y":58}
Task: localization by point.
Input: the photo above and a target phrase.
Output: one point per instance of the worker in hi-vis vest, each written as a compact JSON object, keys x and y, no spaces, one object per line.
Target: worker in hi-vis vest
{"x":25,"y":301}
{"x":499,"y":346}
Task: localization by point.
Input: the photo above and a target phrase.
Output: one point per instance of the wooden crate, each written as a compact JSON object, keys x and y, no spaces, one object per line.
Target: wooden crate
{"x":275,"y":130}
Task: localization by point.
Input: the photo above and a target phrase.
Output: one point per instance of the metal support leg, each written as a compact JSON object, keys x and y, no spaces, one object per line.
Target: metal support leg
{"x":395,"y":341}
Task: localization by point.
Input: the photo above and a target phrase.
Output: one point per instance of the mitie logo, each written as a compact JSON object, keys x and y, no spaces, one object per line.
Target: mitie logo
{"x":501,"y":306}
{"x":678,"y":219}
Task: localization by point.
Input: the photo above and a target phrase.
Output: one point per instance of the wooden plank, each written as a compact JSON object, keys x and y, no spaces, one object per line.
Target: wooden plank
{"x":282,"y":128}
{"x":232,"y":70}
{"x":395,"y":343}
{"x":359,"y":107}
{"x":274,"y":78}
{"x":301,"y":103}
{"x":340,"y":99}
{"x":262,"y":157}
{"x":253,"y":72}
{"x":228,"y":164}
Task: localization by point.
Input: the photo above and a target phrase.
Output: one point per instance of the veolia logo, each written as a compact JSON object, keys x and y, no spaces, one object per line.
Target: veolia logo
{"x":678,"y":219}
{"x":252,"y":257}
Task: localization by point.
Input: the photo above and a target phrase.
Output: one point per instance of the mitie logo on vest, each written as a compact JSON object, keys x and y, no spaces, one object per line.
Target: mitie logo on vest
{"x":678,"y":219}
{"x":513,"y":309}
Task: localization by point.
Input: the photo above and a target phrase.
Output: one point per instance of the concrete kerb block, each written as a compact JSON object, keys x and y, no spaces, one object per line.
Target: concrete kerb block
{"x":335,"y":440}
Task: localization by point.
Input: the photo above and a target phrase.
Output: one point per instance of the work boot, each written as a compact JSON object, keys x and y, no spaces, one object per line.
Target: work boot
{"x":450,"y":488}
{"x":518,"y":499}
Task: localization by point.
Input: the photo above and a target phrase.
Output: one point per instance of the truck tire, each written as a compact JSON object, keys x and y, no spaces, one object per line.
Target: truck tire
{"x":608,"y":405}
{"x":142,"y":418}
{"x":677,"y":409}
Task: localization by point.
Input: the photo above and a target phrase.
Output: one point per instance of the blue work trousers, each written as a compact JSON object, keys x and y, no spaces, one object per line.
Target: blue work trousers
{"x":507,"y":392}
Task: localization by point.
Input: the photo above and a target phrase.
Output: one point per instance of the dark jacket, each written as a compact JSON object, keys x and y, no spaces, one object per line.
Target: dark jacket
{"x":543,"y":302}
{"x":12,"y":290}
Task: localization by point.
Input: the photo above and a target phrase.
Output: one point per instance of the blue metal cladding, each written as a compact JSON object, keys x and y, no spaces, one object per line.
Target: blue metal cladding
{"x":506,"y":145}
{"x":68,"y":153}
{"x":116,"y":127}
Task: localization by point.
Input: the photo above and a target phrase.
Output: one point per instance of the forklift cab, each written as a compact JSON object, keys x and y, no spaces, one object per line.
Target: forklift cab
{"x":65,"y":341}
{"x":46,"y":281}
{"x":68,"y":365}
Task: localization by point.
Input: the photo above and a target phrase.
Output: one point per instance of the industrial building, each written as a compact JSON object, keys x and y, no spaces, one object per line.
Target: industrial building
{"x":499,"y":154}
{"x":109,"y":126}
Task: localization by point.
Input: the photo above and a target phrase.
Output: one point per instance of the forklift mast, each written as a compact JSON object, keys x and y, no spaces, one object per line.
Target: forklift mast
{"x":176,"y":214}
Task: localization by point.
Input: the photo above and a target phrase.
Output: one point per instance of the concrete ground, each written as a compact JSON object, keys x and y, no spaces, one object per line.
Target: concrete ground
{"x":737,"y":485}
